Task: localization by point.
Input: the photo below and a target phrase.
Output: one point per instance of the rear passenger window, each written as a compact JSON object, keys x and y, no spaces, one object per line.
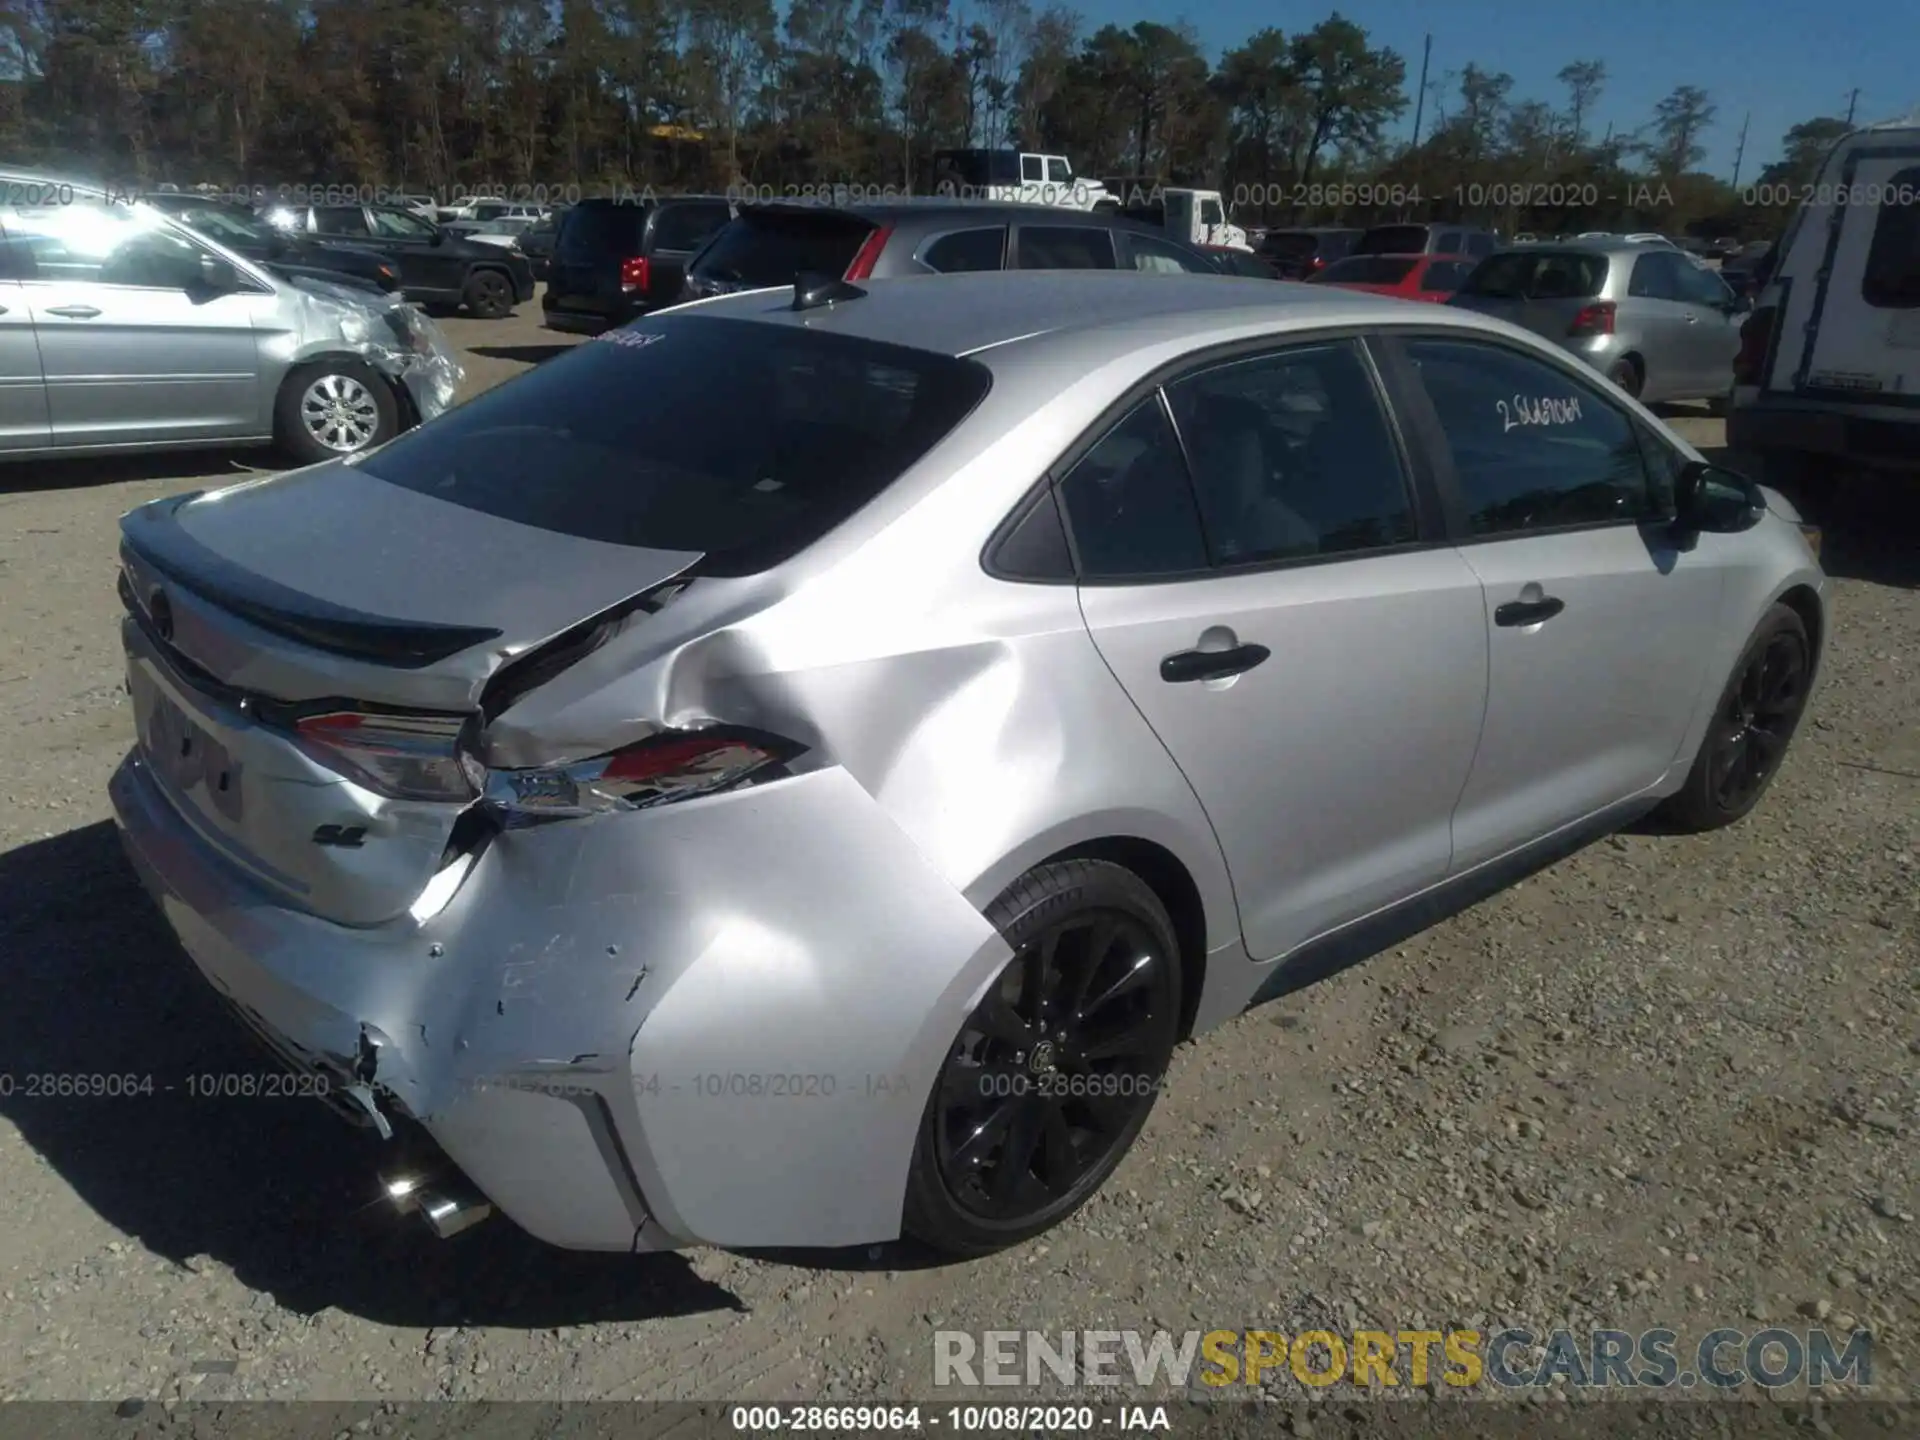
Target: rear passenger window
{"x":1533,"y":448}
{"x":1130,"y":505}
{"x":339,"y":220}
{"x":1892,"y":278}
{"x":1144,"y":252}
{"x":967,"y":250}
{"x":1065,"y":247}
{"x":1653,"y":279}
{"x":688,"y":227}
{"x":1292,"y":456}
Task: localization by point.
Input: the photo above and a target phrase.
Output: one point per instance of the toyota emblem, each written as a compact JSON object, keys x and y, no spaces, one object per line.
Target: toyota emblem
{"x":161,"y":610}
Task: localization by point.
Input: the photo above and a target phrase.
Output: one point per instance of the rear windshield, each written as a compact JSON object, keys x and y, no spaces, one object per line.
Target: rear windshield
{"x":770,"y":249}
{"x":1892,"y":279}
{"x":635,"y":439}
{"x":1392,"y":240}
{"x":1291,"y":244}
{"x":1368,"y":270}
{"x":690,"y":225}
{"x":589,"y":231}
{"x":1537,"y":274}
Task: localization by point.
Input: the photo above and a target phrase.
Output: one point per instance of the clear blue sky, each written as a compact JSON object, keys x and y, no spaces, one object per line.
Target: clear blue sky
{"x":1783,"y":60}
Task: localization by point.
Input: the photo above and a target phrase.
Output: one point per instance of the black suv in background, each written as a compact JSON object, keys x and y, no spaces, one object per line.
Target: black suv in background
{"x":614,"y":260}
{"x":1467,"y":240}
{"x":248,"y":236}
{"x":1298,"y":254}
{"x":770,"y":244}
{"x":436,"y":266}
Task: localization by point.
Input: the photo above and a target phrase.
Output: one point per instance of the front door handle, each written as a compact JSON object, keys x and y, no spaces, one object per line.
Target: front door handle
{"x":74,"y":312}
{"x":1188,"y":665}
{"x":1528,"y":612}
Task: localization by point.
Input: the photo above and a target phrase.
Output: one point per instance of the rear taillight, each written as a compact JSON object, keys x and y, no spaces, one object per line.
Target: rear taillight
{"x":410,"y":757}
{"x":672,"y":765}
{"x":1594,"y":319}
{"x":868,"y":255}
{"x":634,"y":273}
{"x":1756,"y":334}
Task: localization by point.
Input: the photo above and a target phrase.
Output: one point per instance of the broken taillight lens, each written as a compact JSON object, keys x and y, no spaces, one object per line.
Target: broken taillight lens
{"x":672,"y":765}
{"x":410,"y":757}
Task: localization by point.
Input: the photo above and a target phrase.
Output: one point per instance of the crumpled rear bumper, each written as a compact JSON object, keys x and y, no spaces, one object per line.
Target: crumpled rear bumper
{"x":713,"y":1023}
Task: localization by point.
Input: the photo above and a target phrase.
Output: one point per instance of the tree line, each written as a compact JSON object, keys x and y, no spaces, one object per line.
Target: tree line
{"x":451,"y":95}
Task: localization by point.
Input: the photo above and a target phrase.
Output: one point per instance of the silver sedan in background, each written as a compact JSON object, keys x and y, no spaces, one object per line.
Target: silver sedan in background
{"x":675,"y":831}
{"x":121,"y":329}
{"x":1641,"y":312}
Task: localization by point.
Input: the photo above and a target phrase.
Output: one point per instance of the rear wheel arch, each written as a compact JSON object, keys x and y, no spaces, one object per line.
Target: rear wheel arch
{"x":1173,"y":885}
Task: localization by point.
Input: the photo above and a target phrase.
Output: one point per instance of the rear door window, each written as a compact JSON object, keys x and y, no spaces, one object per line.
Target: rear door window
{"x":965,"y":250}
{"x":1652,"y":279}
{"x":1393,"y":240}
{"x":1892,"y":277}
{"x":1130,"y":504}
{"x":771,"y":248}
{"x":1536,"y":274}
{"x":689,"y":226}
{"x":591,"y":232}
{"x":639,"y":441}
{"x":1159,"y":257}
{"x":1444,"y":276}
{"x":1064,"y":247}
{"x":339,"y":220}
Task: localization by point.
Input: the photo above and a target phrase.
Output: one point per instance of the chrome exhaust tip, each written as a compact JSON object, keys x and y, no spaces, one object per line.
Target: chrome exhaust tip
{"x":402,"y":1192}
{"x":448,"y":1213}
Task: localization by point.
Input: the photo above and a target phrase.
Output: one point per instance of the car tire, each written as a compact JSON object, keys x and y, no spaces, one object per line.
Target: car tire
{"x":1077,"y":928}
{"x":488,"y":294}
{"x":345,"y":399}
{"x":1754,"y":720}
{"x":1626,"y":373}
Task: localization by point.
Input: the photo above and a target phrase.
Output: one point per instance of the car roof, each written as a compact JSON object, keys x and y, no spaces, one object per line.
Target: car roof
{"x":1612,"y":245}
{"x":940,"y":207}
{"x":1080,"y":314}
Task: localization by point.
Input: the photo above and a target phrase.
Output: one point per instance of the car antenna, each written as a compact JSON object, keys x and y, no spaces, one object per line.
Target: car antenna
{"x":812,"y":290}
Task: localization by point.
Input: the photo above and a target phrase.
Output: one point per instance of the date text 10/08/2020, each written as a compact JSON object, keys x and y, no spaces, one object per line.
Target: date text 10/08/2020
{"x":960,"y":1419}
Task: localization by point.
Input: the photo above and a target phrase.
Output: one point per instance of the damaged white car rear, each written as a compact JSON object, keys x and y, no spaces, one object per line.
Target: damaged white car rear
{"x":701,"y":793}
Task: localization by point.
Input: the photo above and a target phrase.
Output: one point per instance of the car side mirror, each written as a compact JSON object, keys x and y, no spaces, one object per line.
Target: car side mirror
{"x":439,"y":236}
{"x":1741,"y":304}
{"x":1712,"y":500}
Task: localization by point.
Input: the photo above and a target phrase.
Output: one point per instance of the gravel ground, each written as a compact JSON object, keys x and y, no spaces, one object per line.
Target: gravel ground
{"x":1668,"y":1082}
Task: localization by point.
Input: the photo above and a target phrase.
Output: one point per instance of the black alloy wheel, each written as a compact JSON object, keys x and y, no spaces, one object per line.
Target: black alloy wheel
{"x":1752,"y":725}
{"x":1756,"y":720}
{"x":1052,"y":1076}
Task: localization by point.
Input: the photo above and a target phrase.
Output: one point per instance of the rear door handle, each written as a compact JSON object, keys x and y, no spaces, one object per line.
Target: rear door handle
{"x":74,"y":312}
{"x":1528,"y":612}
{"x":1188,"y":665}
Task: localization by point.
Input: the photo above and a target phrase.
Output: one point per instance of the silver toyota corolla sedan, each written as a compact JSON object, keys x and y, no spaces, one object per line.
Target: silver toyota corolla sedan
{"x":790,"y":771}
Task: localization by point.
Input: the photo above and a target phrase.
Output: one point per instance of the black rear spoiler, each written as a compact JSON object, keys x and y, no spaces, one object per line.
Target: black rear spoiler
{"x":153,"y":539}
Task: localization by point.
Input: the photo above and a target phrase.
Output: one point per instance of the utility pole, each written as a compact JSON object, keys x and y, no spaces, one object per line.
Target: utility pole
{"x":1852,"y":100}
{"x":1420,"y":102}
{"x":1741,"y":149}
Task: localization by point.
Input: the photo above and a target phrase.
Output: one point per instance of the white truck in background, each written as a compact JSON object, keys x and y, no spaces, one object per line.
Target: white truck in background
{"x":1020,"y":176}
{"x":1828,"y":376}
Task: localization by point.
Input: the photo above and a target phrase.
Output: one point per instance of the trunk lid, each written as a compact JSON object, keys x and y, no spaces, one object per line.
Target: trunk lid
{"x":329,"y":590}
{"x":330,"y":582}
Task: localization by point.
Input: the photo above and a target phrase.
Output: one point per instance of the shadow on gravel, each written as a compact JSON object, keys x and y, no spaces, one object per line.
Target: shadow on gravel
{"x":522,"y":354}
{"x":277,"y":1189}
{"x":24,"y":476}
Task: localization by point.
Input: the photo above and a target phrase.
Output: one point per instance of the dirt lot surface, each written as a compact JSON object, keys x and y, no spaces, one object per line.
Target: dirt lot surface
{"x":1668,"y":1082}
